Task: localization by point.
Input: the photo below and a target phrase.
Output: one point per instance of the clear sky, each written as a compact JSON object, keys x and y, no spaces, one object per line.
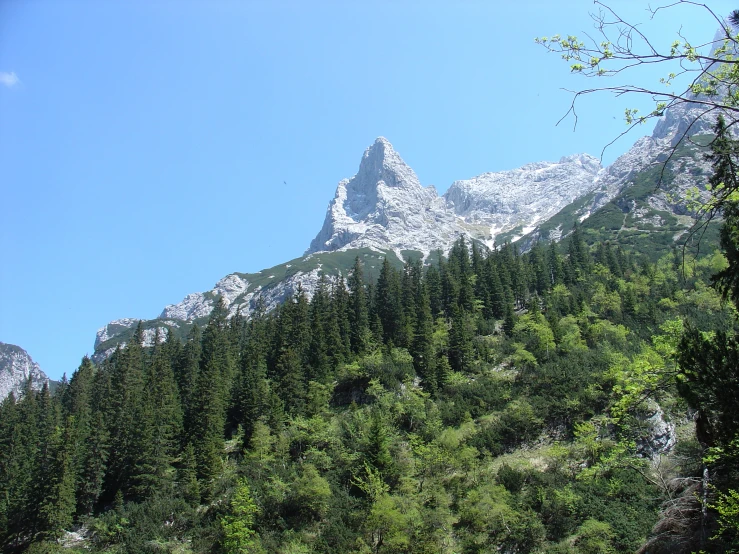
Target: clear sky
{"x":145,"y":145}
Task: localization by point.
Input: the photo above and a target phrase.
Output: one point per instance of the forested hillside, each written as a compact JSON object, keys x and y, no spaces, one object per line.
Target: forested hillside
{"x":492,"y":402}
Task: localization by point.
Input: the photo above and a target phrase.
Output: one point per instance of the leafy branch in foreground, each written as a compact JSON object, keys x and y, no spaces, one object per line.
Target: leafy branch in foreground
{"x":618,"y":48}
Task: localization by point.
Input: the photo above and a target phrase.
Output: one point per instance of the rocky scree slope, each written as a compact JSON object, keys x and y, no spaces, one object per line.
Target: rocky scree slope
{"x":16,"y":368}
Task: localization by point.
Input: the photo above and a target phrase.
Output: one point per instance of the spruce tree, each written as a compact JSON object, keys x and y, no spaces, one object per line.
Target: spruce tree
{"x":57,"y":507}
{"x":433,"y":285}
{"x":554,"y":262}
{"x":358,"y":312}
{"x":213,"y":393}
{"x":422,"y":348}
{"x":250,"y":398}
{"x":126,"y":404}
{"x":187,"y":476}
{"x":90,"y":436}
{"x":340,"y":305}
{"x":388,"y":303}
{"x":160,"y":427}
{"x":319,"y":354}
{"x":188,"y":370}
{"x":460,"y":341}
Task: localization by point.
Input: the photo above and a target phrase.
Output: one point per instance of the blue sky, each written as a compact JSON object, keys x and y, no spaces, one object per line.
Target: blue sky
{"x":144,"y":146}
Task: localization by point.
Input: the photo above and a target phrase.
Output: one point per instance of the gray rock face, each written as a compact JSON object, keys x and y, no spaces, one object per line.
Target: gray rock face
{"x":525,"y":196}
{"x":658,"y":435}
{"x":16,"y":368}
{"x":200,"y":304}
{"x":682,"y":120}
{"x":384,"y":205}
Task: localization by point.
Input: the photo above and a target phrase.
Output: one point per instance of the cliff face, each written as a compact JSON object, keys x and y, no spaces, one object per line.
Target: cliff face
{"x":16,"y":368}
{"x":385,"y":207}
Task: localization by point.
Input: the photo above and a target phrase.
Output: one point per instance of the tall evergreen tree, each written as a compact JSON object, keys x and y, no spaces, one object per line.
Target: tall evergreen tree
{"x":554,"y":261}
{"x":57,"y":506}
{"x":388,"y":303}
{"x":460,"y":341}
{"x":422,"y":348}
{"x":358,"y":312}
{"x":160,"y":427}
{"x":125,"y":409}
{"x":216,"y":369}
{"x":188,"y":370}
{"x":340,"y":303}
{"x":251,"y":391}
{"x":90,"y":436}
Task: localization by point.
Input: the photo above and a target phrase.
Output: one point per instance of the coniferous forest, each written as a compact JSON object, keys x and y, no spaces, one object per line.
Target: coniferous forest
{"x":578,"y":397}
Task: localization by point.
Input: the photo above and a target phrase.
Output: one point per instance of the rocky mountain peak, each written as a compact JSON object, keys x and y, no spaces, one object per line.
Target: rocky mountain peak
{"x":385,"y":207}
{"x":382,"y":204}
{"x":16,"y":368}
{"x":381,"y":163}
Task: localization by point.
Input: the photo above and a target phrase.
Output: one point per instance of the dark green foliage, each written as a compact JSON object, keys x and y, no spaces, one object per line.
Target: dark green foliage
{"x":460,"y":341}
{"x":357,"y":310}
{"x":370,"y":417}
{"x":188,"y":371}
{"x":710,"y":367}
{"x":213,"y":392}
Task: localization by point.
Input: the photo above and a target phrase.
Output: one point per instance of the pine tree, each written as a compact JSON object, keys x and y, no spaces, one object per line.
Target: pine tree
{"x":160,"y":426}
{"x":409,"y":297}
{"x":460,"y":341}
{"x":92,"y":467}
{"x":422,"y":347}
{"x":90,"y":436}
{"x":554,"y":261}
{"x":57,"y":507}
{"x":358,"y":312}
{"x":188,"y":370}
{"x":251,"y":393}
{"x":388,"y":303}
{"x":542,"y":281}
{"x":19,"y":436}
{"x":44,"y":463}
{"x":213,"y":393}
{"x":497,"y":300}
{"x":124,"y":414}
{"x":188,"y":476}
{"x":378,"y":443}
{"x":724,"y":152}
{"x":509,"y":321}
{"x":433,"y":285}
{"x":578,"y":254}
{"x":459,"y":259}
{"x":340,"y":306}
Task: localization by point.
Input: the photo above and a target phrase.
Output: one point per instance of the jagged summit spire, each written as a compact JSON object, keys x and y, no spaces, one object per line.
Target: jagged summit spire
{"x":384,"y":196}
{"x":380,"y":162}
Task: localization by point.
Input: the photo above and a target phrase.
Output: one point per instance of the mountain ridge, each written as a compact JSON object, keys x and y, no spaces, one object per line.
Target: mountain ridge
{"x":383,"y":210}
{"x":16,"y":368}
